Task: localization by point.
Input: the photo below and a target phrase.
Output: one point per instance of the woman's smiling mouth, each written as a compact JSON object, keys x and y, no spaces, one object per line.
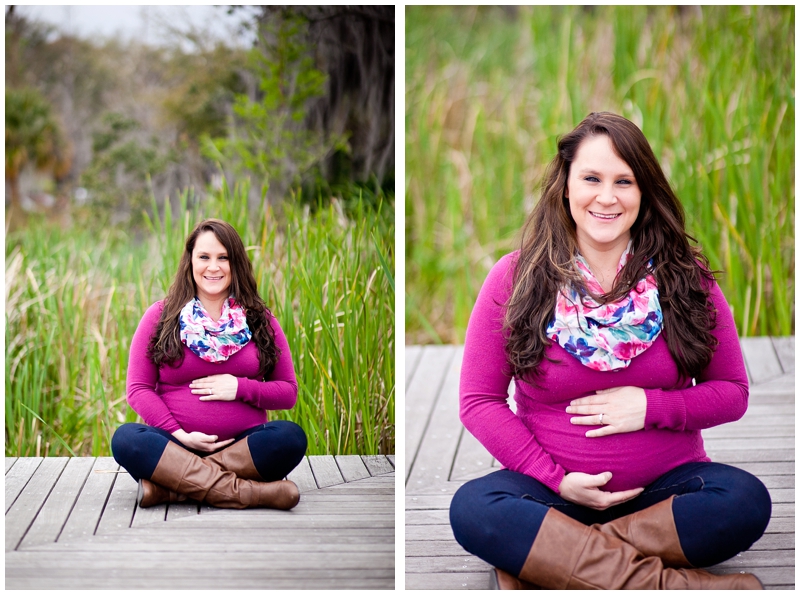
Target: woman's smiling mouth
{"x":605,"y":216}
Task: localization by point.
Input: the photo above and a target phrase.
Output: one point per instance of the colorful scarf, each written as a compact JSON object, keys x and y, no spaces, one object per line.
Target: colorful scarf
{"x":606,"y":337}
{"x":214,"y":341}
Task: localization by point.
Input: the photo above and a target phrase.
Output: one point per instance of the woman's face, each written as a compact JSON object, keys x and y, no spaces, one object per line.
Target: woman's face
{"x":603,"y":195}
{"x":211,"y":268}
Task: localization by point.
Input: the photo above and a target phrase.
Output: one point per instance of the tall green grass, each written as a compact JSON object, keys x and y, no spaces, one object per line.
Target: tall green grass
{"x":488,"y":91}
{"x":74,"y":298}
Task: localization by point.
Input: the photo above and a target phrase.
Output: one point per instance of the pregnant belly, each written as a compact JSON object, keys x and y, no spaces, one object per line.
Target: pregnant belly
{"x":224,"y":419}
{"x":635,"y":459}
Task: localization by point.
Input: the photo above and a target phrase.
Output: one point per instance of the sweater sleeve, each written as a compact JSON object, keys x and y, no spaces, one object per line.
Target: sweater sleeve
{"x":143,"y":376}
{"x":721,"y":391}
{"x":485,"y":377}
{"x":280,"y":391}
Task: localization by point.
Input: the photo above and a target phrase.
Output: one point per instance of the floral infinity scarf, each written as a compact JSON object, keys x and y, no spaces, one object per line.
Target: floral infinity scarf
{"x":214,"y":341}
{"x":606,"y":337}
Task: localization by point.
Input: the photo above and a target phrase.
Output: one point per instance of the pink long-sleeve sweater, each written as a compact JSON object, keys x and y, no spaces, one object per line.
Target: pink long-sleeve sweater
{"x":162,"y":397}
{"x":540,"y":441}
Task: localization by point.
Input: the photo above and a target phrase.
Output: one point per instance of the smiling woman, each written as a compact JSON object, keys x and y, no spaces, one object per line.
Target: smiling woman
{"x":206,"y":364}
{"x":622,"y":349}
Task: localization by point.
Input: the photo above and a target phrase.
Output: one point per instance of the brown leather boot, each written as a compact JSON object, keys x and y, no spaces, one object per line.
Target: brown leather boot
{"x":237,"y":458}
{"x":151,"y":494}
{"x":569,"y":555}
{"x":652,"y":531}
{"x":185,"y":473}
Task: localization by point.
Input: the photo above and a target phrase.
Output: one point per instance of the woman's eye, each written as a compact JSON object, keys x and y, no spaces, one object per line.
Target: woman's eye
{"x":626,"y":182}
{"x":591,"y":179}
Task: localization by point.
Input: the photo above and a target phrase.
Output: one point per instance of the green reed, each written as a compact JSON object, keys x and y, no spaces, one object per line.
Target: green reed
{"x":74,"y":298}
{"x":488,"y":92}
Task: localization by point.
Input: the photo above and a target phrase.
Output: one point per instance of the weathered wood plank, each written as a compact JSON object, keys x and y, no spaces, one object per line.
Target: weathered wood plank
{"x":784,"y":348}
{"x":412,"y":357}
{"x":346,"y":581}
{"x":377,"y":464}
{"x":179,"y":510}
{"x":428,"y":501}
{"x":760,"y":359}
{"x":302,"y":476}
{"x":448,"y":580}
{"x":472,"y":460}
{"x":151,"y":514}
{"x":428,"y":517}
{"x":433,"y":548}
{"x":24,"y":510}
{"x":19,"y":476}
{"x":10,"y":462}
{"x":352,"y":467}
{"x":735,"y":457}
{"x":53,"y":514}
{"x":765,"y":442}
{"x":391,"y":460}
{"x":438,"y":446}
{"x":201,"y":561}
{"x":749,"y":429}
{"x":121,"y":504}
{"x":322,"y":546}
{"x":326,"y":473}
{"x":421,"y":394}
{"x":440,"y":564}
{"x":85,"y":516}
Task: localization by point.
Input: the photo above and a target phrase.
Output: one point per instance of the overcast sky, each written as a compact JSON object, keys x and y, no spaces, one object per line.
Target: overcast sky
{"x":142,"y":22}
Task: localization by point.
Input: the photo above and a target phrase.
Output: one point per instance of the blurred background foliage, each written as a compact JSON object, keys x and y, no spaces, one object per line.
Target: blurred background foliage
{"x":490,"y":89}
{"x":115,"y":149}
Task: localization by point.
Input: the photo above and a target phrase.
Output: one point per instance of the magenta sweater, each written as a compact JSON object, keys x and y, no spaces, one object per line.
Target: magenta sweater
{"x":540,"y":441}
{"x":162,"y":397}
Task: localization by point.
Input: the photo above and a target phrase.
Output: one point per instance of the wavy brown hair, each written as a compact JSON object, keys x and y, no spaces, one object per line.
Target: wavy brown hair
{"x":165,"y":344}
{"x":549,"y":244}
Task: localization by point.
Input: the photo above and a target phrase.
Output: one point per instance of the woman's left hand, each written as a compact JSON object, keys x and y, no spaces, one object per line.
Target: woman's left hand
{"x":623,"y":410}
{"x":220,"y":387}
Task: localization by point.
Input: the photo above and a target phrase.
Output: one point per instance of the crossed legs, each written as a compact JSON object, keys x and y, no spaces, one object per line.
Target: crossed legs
{"x":718,"y":511}
{"x":244,"y":474}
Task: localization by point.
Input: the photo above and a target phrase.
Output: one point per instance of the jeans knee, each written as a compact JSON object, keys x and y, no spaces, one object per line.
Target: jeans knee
{"x":124,"y":444}
{"x":293,"y":439}
{"x":468,"y":518}
{"x":756,"y":500}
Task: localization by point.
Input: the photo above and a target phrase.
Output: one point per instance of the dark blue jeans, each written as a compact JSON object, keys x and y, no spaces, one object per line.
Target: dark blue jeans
{"x":277,"y":447}
{"x":719,"y":511}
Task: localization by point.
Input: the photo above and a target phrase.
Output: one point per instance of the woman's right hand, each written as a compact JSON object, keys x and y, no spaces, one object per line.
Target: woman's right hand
{"x":200,"y":441}
{"x":584,"y":489}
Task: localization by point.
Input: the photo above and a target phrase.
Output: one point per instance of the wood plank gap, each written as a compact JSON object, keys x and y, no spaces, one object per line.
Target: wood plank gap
{"x":75,"y":501}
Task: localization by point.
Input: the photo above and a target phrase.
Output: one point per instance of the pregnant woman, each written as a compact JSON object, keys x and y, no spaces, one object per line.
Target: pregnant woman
{"x":622,"y":349}
{"x":206,"y":364}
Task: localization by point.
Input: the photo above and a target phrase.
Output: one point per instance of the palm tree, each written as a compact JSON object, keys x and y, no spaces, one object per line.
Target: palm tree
{"x":33,"y":137}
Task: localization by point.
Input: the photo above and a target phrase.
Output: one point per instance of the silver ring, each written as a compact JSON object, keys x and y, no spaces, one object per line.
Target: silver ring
{"x":601,"y":419}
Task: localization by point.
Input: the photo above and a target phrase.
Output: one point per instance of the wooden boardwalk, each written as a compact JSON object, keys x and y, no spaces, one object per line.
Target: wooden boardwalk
{"x":73,"y":523}
{"x":441,"y":455}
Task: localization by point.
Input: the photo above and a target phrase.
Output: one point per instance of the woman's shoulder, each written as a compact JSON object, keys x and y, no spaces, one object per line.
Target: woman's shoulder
{"x":153,"y":313}
{"x":500,"y":279}
{"x":503,"y":270}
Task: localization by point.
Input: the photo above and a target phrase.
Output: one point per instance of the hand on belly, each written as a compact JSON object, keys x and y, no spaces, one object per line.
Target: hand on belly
{"x":617,"y":410}
{"x":584,"y":489}
{"x":219,"y":387}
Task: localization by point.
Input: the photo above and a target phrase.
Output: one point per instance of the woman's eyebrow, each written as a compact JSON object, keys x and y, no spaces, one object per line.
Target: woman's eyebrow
{"x":585,"y":170}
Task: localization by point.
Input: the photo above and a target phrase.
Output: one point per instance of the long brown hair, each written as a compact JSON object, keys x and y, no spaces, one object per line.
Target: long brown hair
{"x":165,"y":344}
{"x":549,"y":244}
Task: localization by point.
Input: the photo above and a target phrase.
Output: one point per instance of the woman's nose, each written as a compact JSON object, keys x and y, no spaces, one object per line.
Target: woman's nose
{"x":606,"y":196}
